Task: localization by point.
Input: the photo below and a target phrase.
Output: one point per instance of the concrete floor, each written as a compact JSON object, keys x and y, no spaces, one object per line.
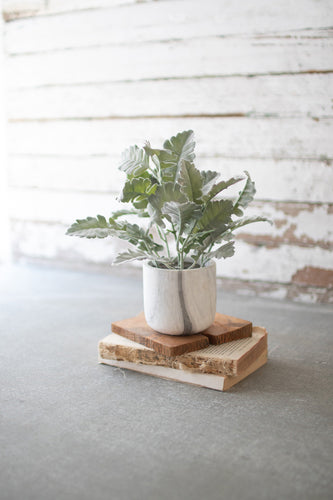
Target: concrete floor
{"x":74,"y":429}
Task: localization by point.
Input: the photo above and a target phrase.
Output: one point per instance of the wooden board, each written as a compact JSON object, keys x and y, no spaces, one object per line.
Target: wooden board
{"x":217,"y":382}
{"x":136,"y":329}
{"x":255,"y":97}
{"x":91,"y":175}
{"x":238,"y":138}
{"x":218,"y":16}
{"x":247,"y":55}
{"x":153,"y":21}
{"x":226,"y":328}
{"x":228,"y":359}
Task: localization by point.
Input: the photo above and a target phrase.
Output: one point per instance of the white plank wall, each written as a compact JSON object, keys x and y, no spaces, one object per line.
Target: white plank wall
{"x":253,"y":79}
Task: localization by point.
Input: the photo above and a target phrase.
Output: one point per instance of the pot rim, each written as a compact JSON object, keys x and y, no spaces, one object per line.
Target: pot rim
{"x":211,"y":263}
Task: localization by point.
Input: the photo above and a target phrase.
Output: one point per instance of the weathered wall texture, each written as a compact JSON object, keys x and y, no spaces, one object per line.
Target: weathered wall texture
{"x":253,"y":79}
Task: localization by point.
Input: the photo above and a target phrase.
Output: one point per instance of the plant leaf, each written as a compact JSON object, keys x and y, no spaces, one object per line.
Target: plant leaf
{"x":190,"y":181}
{"x":133,"y":211}
{"x":225,"y":251}
{"x":164,"y":193}
{"x":179,"y":147}
{"x":217,"y":216}
{"x":138,"y":190}
{"x":134,"y":162}
{"x":181,"y":214}
{"x":220,"y":186}
{"x":248,"y":220}
{"x":131,"y":255}
{"x":91,"y":227}
{"x":208,"y":178}
{"x":245,"y":196}
{"x":135,"y":235}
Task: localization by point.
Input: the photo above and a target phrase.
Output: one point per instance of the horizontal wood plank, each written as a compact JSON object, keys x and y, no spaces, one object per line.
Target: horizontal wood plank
{"x":232,"y":137}
{"x":48,"y":241}
{"x":279,"y":264}
{"x":293,"y":179}
{"x":303,"y":225}
{"x":168,"y":20}
{"x":137,"y":330}
{"x":177,"y":59}
{"x":296,"y":292}
{"x":284,"y":96}
{"x":300,"y":224}
{"x":18,"y":9}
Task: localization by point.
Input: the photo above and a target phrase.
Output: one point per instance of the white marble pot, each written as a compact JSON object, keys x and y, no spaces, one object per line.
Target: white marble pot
{"x":179,"y":302}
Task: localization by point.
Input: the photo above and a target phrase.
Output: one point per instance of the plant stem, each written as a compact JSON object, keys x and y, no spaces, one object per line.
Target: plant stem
{"x":163,"y":237}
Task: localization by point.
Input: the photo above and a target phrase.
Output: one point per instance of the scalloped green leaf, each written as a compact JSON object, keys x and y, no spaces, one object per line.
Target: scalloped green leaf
{"x":91,"y":227}
{"x":217,"y":215}
{"x":223,"y":252}
{"x":248,"y":220}
{"x":190,"y":181}
{"x":221,"y":186}
{"x":208,"y":178}
{"x":130,"y":255}
{"x":180,"y":147}
{"x":134,"y":161}
{"x":182,"y":215}
{"x":138,"y":190}
{"x":135,"y":235}
{"x":165,"y":193}
{"x":133,"y":211}
{"x":245,"y":196}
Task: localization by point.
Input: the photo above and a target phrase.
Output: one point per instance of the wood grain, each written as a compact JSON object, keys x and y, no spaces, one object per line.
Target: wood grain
{"x":167,"y":20}
{"x":215,"y":57}
{"x":251,"y":79}
{"x":293,"y":178}
{"x":136,"y":329}
{"x":47,"y":240}
{"x":227,"y":328}
{"x":224,"y":329}
{"x":229,"y":359}
{"x":258,"y":16}
{"x":216,"y":382}
{"x":236,"y":138}
{"x":300,"y":224}
{"x":283,"y":96}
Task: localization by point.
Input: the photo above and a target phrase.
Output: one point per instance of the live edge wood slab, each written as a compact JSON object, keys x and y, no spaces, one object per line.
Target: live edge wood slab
{"x":224,"y":329}
{"x":227,"y":328}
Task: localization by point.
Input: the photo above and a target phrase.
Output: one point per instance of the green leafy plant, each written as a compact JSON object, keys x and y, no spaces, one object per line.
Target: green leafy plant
{"x":188,"y":222}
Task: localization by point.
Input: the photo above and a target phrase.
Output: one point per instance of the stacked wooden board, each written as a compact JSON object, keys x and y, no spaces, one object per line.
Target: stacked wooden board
{"x":217,"y":358}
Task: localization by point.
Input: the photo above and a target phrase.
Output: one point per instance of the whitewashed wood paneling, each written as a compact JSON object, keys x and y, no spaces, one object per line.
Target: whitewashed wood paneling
{"x":253,"y":79}
{"x":218,"y":137}
{"x":16,"y":9}
{"x":64,"y":207}
{"x":283,"y":96}
{"x":294,"y":180}
{"x":276,"y":264}
{"x":49,"y":241}
{"x":44,"y":240}
{"x":300,"y":225}
{"x":168,"y":20}
{"x":176,"y":59}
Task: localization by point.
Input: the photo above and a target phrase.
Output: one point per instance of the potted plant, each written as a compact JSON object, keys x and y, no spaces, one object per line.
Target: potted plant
{"x":187,"y":225}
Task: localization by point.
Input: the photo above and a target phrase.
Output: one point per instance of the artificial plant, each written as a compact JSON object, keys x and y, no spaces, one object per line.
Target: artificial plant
{"x":189,"y":223}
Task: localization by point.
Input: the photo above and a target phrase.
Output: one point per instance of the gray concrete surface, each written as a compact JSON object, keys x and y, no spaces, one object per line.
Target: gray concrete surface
{"x":73,"y":429}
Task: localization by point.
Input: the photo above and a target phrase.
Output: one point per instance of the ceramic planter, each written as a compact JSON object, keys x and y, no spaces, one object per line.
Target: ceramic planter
{"x":179,"y":302}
